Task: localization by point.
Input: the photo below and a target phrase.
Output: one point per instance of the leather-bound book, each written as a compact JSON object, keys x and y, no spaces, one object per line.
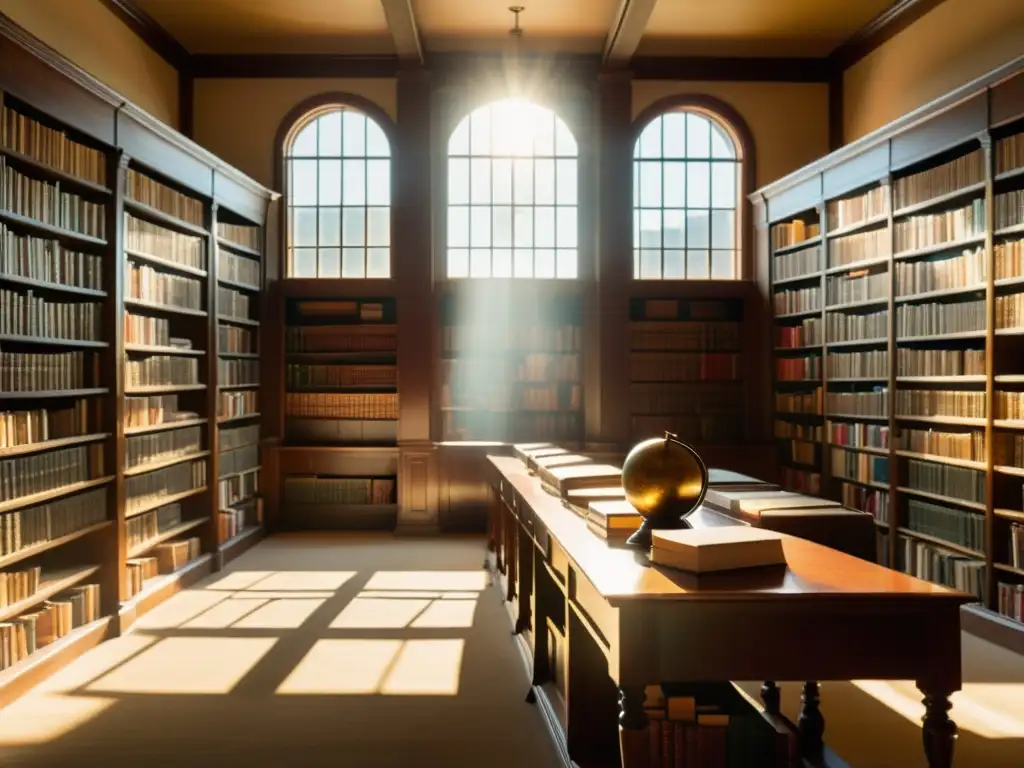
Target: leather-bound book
{"x":707,"y":550}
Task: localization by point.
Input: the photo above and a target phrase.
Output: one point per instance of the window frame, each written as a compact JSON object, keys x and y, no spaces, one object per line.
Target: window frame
{"x":733,"y":123}
{"x":293,"y":123}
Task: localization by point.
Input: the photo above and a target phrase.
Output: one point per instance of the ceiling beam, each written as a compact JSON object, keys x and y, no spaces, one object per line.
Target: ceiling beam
{"x":628,"y":26}
{"x":402,"y":23}
{"x":885,"y":26}
{"x":150,"y":32}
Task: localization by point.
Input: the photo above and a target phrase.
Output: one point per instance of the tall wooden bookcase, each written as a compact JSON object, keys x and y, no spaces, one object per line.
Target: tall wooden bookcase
{"x":895,"y":268}
{"x":125,"y":250}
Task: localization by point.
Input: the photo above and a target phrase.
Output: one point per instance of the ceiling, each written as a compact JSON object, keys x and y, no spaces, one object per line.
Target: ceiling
{"x":802,"y":28}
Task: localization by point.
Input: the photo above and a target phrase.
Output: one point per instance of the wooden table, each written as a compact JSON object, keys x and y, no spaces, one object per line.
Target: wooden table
{"x":826,"y":616}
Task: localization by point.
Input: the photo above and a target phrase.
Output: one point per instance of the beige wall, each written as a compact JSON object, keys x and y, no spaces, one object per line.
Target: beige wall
{"x":92,"y":37}
{"x":238,"y":119}
{"x":951,"y":45}
{"x":789,"y":121}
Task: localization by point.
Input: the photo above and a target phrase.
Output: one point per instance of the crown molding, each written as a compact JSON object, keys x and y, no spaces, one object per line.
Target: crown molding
{"x":150,"y":32}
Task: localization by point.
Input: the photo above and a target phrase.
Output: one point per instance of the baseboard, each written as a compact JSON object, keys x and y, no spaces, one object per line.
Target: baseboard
{"x":992,"y":627}
{"x":161,"y":589}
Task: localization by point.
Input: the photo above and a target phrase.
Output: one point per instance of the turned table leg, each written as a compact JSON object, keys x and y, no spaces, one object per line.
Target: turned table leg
{"x":770,"y":696}
{"x":939,"y":731}
{"x":811,"y":723}
{"x":634,"y":746}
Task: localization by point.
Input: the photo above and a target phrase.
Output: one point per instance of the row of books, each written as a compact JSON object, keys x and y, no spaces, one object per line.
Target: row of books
{"x":954,"y":445}
{"x":151,"y":331}
{"x":37,"y":258}
{"x":28,"y":314}
{"x":1009,"y":259}
{"x":957,"y":526}
{"x":142,"y":491}
{"x":164,"y":558}
{"x":1009,"y":449}
{"x":798,"y":368}
{"x":939,"y":319}
{"x":299,"y":375}
{"x":857,"y":434}
{"x":143,"y":189}
{"x":234,"y":461}
{"x":1010,"y":405}
{"x":50,"y":146}
{"x":42,"y":372}
{"x":798,"y":263}
{"x":30,"y":526}
{"x":1010,"y":153}
{"x":944,"y":179}
{"x":57,"y":617}
{"x":238,"y":437}
{"x":793,"y":232}
{"x":682,"y":398}
{"x":939,"y":228}
{"x":238,"y":489}
{"x":231,"y":522}
{"x":944,"y":480}
{"x":238,"y":372}
{"x":144,"y":283}
{"x":41,"y":472}
{"x":871,"y":500}
{"x":1011,"y":600}
{"x":338,"y":338}
{"x":964,"y":271}
{"x":849,"y":211}
{"x":940,"y":362}
{"x":339,"y":490}
{"x":862,"y":467}
{"x":231,"y":405}
{"x":863,"y":246}
{"x":545,"y":367}
{"x":238,"y":269}
{"x":869,"y":364}
{"x":234,"y":340}
{"x":141,"y":450}
{"x":931,"y":563}
{"x":797,"y":300}
{"x":19,"y":428}
{"x":161,"y":370}
{"x":940,"y":402}
{"x":151,"y":239}
{"x":856,"y":287}
{"x":799,"y":402}
{"x":807,"y":334}
{"x":873,"y":403}
{"x":684,"y":366}
{"x":1009,"y":208}
{"x":153,"y":411}
{"x":240,"y":234}
{"x":342,"y":406}
{"x":142,"y":528}
{"x":18,"y":585}
{"x":800,"y":452}
{"x":46,"y":203}
{"x":231,"y":303}
{"x":1010,"y":311}
{"x":841,"y":326}
{"x":678,"y":336}
{"x":801,"y":480}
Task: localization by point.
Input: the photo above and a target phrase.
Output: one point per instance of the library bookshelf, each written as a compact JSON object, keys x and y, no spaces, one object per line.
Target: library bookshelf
{"x":895,"y":268}
{"x":124,"y":476}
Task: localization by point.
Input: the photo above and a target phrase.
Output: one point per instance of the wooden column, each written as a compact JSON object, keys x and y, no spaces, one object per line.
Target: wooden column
{"x":606,"y":322}
{"x":412,"y":259}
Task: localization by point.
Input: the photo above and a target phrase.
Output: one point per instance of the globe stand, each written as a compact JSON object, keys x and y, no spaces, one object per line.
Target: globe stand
{"x":642,"y":537}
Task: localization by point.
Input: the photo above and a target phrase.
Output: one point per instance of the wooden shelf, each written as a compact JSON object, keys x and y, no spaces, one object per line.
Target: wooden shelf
{"x":798,"y":315}
{"x":49,"y":445}
{"x":240,"y":355}
{"x":928,"y":250}
{"x":46,"y":546}
{"x":238,"y":386}
{"x":856,"y":266}
{"x":155,"y":307}
{"x":169,"y":462}
{"x":809,"y":277}
{"x":859,"y":226}
{"x":170,"y":533}
{"x":45,"y":285}
{"x":54,"y":174}
{"x":51,"y":230}
{"x":51,"y":584}
{"x":129,"y":431}
{"x":242,"y":250}
{"x":238,"y":286}
{"x":158,"y":217}
{"x":857,"y":305}
{"x":939,"y":200}
{"x":55,"y":493}
{"x":936,"y":459}
{"x":164,"y":388}
{"x":163,"y":501}
{"x":972,"y":379}
{"x":798,"y":246}
{"x":233,"y":419}
{"x":148,"y":349}
{"x":941,"y":543}
{"x":11,"y":338}
{"x":856,"y":343}
{"x":975,"y":505}
{"x":931,"y":338}
{"x":856,"y":449}
{"x":928,"y":295}
{"x":238,"y":321}
{"x":168,"y":264}
{"x":965,"y":421}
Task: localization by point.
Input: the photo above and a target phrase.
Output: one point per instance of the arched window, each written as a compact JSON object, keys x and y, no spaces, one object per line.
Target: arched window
{"x":687,"y":172}
{"x":512,"y":198}
{"x":338,"y":187}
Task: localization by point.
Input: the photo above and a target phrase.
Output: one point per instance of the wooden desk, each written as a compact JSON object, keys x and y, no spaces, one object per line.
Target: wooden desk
{"x":827,"y":616}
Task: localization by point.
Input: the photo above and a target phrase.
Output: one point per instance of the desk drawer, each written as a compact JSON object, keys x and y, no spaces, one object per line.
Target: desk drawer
{"x":602,"y":617}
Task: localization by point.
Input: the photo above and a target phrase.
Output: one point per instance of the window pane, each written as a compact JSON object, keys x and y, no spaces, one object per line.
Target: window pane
{"x":303,"y":226}
{"x":650,"y":229}
{"x":544,"y":182}
{"x":523,"y":262}
{"x":353,"y":174}
{"x":544,"y":263}
{"x":636,"y":184}
{"x":674,"y":133}
{"x":674,"y":265}
{"x":721,"y":143}
{"x":378,"y":182}
{"x":697,"y":229}
{"x":480,"y":132}
{"x":501,"y":262}
{"x":304,"y":262}
{"x":698,"y":136}
{"x":330,"y":136}
{"x":650,"y":185}
{"x":674,"y":229}
{"x":480,"y":180}
{"x":480,"y":226}
{"x":458,"y":226}
{"x":330,"y":182}
{"x":353,"y":262}
{"x":376,"y":141}
{"x":697,"y":267}
{"x":303,"y":189}
{"x":353,"y":226}
{"x":305,"y":143}
{"x":378,"y":225}
{"x":723,"y":185}
{"x":650,"y":265}
{"x":567,"y":173}
{"x":501,"y":179}
{"x":458,"y":182}
{"x":566,"y":264}
{"x":458,"y":144}
{"x":458,"y":263}
{"x":523,"y":217}
{"x":353,"y":133}
{"x":544,"y":227}
{"x":675,"y":185}
{"x":723,"y":229}
{"x":522,"y":180}
{"x":566,"y":229}
{"x":698,"y":185}
{"x":330,"y":227}
{"x":636,"y":228}
{"x":330,"y":262}
{"x":544,"y":137}
{"x":723,"y":265}
{"x":650,"y":139}
{"x":501,"y":227}
{"x":565,"y":144}
{"x":378,"y":262}
{"x":480,"y":262}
